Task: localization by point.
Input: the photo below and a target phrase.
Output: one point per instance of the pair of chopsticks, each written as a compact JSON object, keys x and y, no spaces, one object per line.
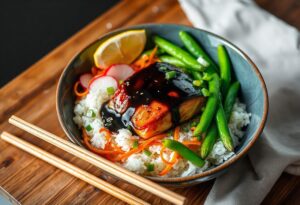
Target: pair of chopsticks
{"x":90,"y":157}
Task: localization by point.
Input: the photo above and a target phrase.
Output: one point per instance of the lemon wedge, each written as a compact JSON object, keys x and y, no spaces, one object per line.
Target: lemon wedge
{"x":124,"y":48}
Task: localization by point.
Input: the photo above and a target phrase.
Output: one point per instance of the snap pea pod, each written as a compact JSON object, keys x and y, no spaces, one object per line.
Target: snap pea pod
{"x":194,"y":48}
{"x":211,"y":105}
{"x":212,"y":133}
{"x":184,"y":152}
{"x":230,"y":98}
{"x":223,"y":129}
{"x":209,"y":141}
{"x":179,"y":53}
{"x":173,"y":61}
{"x":225,"y":73}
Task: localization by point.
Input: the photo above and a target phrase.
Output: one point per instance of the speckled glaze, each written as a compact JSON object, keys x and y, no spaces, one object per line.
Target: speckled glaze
{"x":253,"y":91}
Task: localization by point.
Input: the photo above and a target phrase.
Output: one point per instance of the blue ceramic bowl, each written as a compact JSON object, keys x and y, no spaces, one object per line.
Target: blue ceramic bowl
{"x":253,"y":90}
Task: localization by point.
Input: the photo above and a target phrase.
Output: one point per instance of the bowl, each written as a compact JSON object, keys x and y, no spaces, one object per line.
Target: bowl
{"x":253,"y":91}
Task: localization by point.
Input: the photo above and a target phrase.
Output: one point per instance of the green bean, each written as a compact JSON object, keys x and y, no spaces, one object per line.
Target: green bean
{"x":223,"y":129}
{"x":209,"y":141}
{"x":230,"y":98}
{"x":184,"y":152}
{"x":225,"y":73}
{"x":173,"y":61}
{"x":179,"y":53}
{"x":211,"y":105}
{"x":194,"y":48}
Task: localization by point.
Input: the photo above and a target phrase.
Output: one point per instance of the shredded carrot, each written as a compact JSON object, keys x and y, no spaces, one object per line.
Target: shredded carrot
{"x":176,"y":133}
{"x":78,"y":93}
{"x":86,"y":140}
{"x":141,"y":147}
{"x":197,"y":143}
{"x":193,"y":128}
{"x":163,"y":158}
{"x":145,"y":60}
{"x":169,"y":166}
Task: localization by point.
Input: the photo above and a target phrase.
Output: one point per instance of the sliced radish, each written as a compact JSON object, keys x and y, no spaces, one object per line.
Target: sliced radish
{"x":103,"y":83}
{"x":84,"y":79}
{"x":119,"y":71}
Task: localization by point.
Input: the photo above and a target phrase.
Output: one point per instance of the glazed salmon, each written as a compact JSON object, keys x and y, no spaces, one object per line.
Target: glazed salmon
{"x":150,"y":103}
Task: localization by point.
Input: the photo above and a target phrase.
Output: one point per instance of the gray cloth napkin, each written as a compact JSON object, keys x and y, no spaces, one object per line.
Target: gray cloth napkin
{"x":275,"y":47}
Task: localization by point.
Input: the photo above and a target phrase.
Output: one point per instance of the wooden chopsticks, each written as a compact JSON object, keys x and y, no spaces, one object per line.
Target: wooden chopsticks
{"x":99,"y":162}
{"x":71,"y":169}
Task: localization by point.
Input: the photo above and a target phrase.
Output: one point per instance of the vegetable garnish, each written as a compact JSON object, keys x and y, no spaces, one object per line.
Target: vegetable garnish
{"x":110,"y":90}
{"x":91,"y":113}
{"x":205,"y":92}
{"x":170,"y":75}
{"x":145,"y":60}
{"x":88,"y":128}
{"x":141,"y":147}
{"x":135,"y":144}
{"x":147,"y":153}
{"x":197,"y":83}
{"x":150,"y":167}
{"x":86,"y":140}
{"x":80,"y":93}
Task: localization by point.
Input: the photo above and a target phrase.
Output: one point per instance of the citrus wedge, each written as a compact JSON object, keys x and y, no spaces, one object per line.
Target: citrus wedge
{"x":122,"y":48}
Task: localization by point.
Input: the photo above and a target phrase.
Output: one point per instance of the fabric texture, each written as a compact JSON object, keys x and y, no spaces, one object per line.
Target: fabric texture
{"x":275,"y":48}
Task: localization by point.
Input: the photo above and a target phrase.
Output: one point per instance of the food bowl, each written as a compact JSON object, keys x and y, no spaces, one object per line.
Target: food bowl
{"x":253,"y":91}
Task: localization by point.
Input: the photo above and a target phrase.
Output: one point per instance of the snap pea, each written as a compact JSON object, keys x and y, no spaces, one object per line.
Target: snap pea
{"x":194,"y":48}
{"x":223,"y":129}
{"x":184,"y":152}
{"x":212,"y":133}
{"x":197,"y":75}
{"x":173,"y":61}
{"x":209,"y":141}
{"x":179,"y":53}
{"x":225,"y":73}
{"x":211,"y":105}
{"x":230,"y":98}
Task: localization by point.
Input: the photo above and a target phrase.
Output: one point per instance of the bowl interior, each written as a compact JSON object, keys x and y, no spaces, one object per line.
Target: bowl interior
{"x":253,"y":91}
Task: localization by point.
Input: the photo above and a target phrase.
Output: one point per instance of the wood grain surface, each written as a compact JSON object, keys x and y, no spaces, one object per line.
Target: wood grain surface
{"x":31,"y":96}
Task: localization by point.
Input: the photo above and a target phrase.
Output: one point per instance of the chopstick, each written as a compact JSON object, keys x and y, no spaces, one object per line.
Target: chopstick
{"x":99,"y":162}
{"x":71,"y":169}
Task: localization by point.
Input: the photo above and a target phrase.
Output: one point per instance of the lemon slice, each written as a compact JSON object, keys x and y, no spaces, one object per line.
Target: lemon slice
{"x":121,"y":48}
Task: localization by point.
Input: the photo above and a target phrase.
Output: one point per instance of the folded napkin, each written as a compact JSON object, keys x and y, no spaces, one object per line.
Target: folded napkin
{"x":275,"y":48}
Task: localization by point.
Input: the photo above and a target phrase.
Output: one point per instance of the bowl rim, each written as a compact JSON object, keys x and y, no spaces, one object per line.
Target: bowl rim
{"x":206,"y":173}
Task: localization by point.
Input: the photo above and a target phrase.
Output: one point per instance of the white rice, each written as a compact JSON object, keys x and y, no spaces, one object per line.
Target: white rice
{"x":86,"y":113}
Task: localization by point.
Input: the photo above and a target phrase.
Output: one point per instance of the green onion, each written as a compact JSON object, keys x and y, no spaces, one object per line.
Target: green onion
{"x":135,"y":144}
{"x":150,"y":167}
{"x":194,"y":124}
{"x":197,"y":83}
{"x":186,"y":129}
{"x":205,"y":92}
{"x":91,"y":113}
{"x":163,"y":68}
{"x":110,"y":90}
{"x":88,"y":128}
{"x":147,"y":152}
{"x":170,"y":75}
{"x":206,"y":77}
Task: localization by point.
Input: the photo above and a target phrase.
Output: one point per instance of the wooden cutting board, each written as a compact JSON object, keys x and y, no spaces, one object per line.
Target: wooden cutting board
{"x":31,"y":96}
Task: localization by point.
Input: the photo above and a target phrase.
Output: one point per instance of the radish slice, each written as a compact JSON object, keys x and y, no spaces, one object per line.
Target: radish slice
{"x":102,"y":83}
{"x":119,"y":71}
{"x":85,"y":80}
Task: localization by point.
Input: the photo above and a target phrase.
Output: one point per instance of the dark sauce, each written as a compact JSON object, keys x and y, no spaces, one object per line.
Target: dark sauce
{"x":142,"y":88}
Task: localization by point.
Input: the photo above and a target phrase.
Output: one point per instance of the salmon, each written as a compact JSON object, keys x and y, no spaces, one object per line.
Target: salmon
{"x":151,"y":104}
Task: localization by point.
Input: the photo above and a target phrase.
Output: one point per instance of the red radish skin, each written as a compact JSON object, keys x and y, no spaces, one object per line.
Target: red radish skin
{"x":84,"y":80}
{"x":102,"y":83}
{"x":119,"y":71}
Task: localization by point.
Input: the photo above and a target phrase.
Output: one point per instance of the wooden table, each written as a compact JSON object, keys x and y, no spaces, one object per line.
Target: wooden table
{"x":31,"y":96}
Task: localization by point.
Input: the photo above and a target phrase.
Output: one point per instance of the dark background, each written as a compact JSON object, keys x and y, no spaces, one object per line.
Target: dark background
{"x":29,"y":29}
